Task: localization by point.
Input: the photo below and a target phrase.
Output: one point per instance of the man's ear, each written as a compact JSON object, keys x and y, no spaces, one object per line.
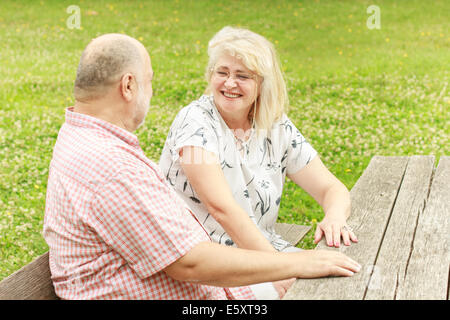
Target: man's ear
{"x":128,"y":86}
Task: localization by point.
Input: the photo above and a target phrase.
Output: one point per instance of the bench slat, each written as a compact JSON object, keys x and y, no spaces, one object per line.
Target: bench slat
{"x":32,"y":282}
{"x":292,"y":233}
{"x":373,"y":197}
{"x":428,"y":269}
{"x":392,"y":261}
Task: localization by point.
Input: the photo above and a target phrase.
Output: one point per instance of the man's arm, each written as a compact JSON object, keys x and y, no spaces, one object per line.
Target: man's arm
{"x":214,"y":264}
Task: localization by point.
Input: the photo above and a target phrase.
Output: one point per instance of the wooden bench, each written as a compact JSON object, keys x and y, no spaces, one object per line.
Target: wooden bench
{"x":400,"y":213}
{"x":33,"y":282}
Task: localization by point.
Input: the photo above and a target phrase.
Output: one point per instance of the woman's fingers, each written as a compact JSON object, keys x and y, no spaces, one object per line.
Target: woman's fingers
{"x":329,"y":236}
{"x":346,"y":237}
{"x":318,"y":235}
{"x":336,"y":235}
{"x":345,"y":232}
{"x":333,"y":236}
{"x":353,"y":236}
{"x":348,"y":234}
{"x":333,"y":233}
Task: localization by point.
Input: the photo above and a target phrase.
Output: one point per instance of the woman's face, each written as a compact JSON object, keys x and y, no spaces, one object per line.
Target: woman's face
{"x":234,"y":87}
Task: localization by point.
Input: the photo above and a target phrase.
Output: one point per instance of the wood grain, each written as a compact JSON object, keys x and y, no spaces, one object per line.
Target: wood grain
{"x":32,"y":282}
{"x":393,"y":258}
{"x":428,"y":269}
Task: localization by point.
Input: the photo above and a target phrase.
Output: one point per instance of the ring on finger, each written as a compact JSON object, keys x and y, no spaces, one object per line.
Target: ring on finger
{"x":347,"y":228}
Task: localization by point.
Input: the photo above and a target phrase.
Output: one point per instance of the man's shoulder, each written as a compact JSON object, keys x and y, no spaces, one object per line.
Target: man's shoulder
{"x":95,"y":158}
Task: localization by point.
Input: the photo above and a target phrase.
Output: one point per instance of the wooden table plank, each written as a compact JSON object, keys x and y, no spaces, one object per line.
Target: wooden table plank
{"x":392,"y":261}
{"x":427,"y":275}
{"x":373,"y":198}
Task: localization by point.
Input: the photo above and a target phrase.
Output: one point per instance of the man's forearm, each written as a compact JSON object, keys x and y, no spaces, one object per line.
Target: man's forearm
{"x":214,"y":264}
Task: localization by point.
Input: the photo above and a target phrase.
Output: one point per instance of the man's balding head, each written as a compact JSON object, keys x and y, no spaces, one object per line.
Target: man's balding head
{"x":114,"y":81}
{"x":104,"y":61}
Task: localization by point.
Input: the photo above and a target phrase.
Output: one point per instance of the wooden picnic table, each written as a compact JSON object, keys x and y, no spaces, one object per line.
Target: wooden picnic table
{"x":400,"y":214}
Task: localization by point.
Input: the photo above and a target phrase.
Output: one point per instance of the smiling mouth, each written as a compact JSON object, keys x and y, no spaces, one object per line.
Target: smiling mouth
{"x":231,"y":94}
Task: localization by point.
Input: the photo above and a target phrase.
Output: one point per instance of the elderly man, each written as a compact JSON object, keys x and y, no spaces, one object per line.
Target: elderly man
{"x":115,"y":228}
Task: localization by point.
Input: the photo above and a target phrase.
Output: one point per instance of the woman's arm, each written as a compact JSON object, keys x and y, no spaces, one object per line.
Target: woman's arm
{"x":204,"y":173}
{"x":334,"y":198}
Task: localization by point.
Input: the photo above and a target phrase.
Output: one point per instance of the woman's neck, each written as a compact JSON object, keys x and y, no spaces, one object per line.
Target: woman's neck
{"x":236,"y":121}
{"x":240,"y":127}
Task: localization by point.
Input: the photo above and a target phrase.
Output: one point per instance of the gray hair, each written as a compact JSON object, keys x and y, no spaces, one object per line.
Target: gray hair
{"x":103,"y":62}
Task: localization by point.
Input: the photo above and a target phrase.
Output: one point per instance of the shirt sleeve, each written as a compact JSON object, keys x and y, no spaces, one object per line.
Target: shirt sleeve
{"x":299,"y":150}
{"x":141,"y":218}
{"x":194,"y":126}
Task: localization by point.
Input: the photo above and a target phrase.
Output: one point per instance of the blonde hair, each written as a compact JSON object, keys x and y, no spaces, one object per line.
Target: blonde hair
{"x":259,"y":56}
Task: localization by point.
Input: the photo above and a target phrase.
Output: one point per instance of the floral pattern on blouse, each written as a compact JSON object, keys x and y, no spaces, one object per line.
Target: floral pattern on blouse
{"x":255,"y":169}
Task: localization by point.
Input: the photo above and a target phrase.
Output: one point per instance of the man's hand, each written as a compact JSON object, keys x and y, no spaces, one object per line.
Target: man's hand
{"x":323,"y":263}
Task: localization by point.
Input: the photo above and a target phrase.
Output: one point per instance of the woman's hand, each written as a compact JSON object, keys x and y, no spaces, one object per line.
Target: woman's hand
{"x":334,"y":198}
{"x":282,"y":286}
{"x":334,"y":227}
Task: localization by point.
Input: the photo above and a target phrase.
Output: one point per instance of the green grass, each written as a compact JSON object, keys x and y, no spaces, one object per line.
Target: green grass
{"x":354,"y":92}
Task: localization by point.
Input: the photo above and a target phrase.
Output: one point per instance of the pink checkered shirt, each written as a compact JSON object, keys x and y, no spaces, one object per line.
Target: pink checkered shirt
{"x":112,"y":222}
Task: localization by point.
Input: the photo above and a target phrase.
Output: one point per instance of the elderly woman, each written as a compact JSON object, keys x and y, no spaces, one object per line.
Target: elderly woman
{"x":228,"y":153}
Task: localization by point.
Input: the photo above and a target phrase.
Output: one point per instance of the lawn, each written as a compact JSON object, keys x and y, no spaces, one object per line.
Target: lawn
{"x":354,"y":92}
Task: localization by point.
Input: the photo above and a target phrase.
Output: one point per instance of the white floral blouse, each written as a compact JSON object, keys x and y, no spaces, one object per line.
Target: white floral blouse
{"x":255,"y":169}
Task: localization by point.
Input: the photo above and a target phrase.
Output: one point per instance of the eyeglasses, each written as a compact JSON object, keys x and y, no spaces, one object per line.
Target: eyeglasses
{"x":240,"y":77}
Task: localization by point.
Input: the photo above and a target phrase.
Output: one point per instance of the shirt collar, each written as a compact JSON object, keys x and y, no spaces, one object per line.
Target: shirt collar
{"x":86,"y":121}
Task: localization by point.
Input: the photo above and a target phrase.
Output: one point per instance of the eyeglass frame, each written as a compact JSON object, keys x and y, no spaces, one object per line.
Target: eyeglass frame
{"x":235,"y":76}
